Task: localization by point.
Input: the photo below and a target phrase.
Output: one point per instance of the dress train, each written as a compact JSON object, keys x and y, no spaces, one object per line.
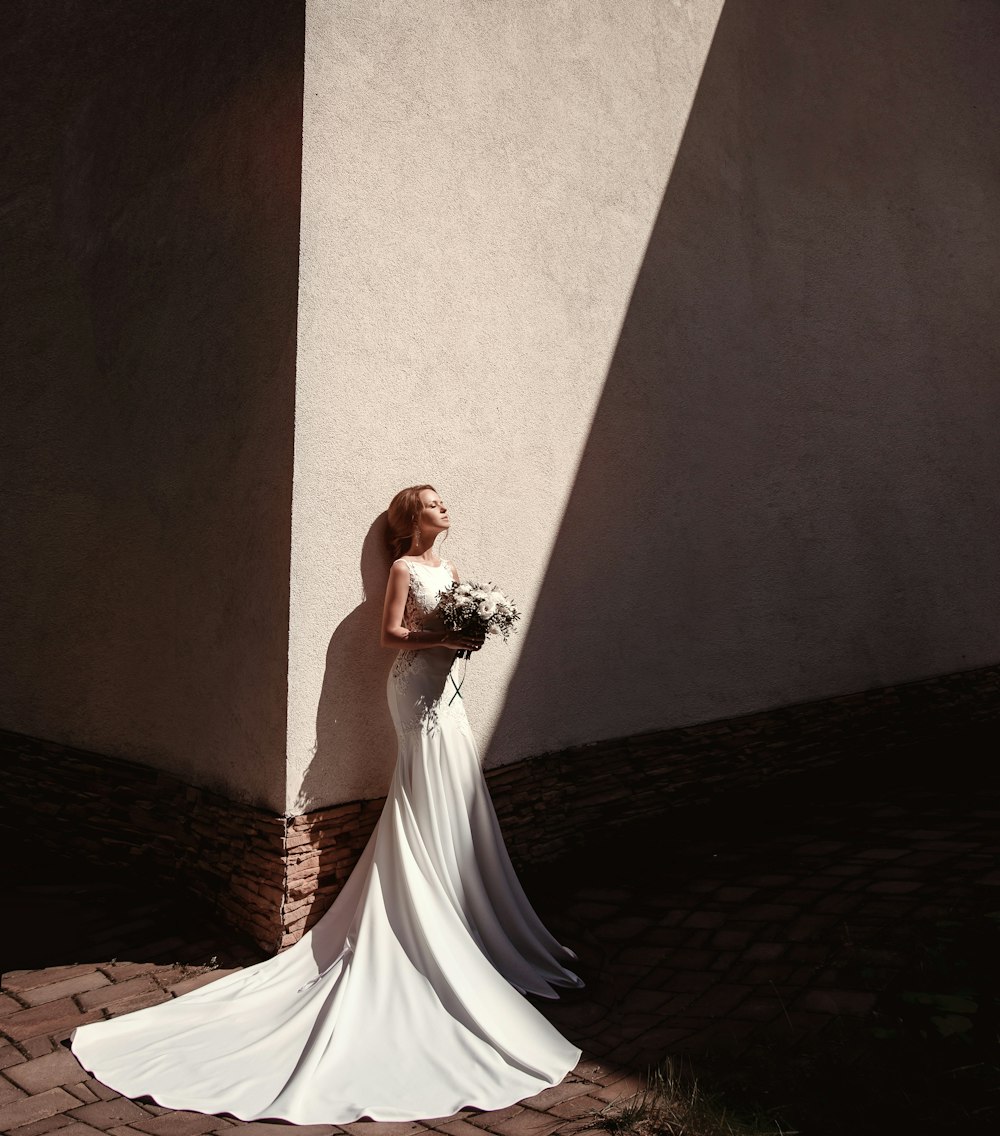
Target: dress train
{"x":404,"y":1002}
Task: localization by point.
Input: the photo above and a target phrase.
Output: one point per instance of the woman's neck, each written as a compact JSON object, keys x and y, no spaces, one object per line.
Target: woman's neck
{"x":425,"y":554}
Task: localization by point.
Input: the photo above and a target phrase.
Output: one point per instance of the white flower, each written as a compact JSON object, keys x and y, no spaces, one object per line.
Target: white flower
{"x":499,"y":599}
{"x":464,"y":601}
{"x":486,"y":609}
{"x":463,"y":589}
{"x":479,"y":595}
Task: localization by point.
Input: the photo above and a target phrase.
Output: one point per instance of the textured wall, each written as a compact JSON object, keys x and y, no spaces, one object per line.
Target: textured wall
{"x":787,"y":490}
{"x":150,"y":180}
{"x":479,"y":183}
{"x":697,"y":335}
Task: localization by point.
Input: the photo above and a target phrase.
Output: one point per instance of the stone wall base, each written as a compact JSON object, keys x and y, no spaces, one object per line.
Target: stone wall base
{"x":273,"y":876}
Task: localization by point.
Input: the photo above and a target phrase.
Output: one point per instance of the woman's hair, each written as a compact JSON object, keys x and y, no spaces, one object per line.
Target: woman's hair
{"x":402,"y":515}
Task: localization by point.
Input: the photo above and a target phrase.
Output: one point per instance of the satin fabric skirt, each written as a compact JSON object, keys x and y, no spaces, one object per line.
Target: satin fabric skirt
{"x":404,"y":1002}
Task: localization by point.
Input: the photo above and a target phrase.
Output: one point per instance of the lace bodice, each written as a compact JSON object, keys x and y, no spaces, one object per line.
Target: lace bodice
{"x":426,"y":585}
{"x":427,"y":582}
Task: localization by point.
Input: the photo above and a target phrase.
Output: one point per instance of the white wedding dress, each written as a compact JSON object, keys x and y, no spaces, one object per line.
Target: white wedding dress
{"x":404,"y":1002}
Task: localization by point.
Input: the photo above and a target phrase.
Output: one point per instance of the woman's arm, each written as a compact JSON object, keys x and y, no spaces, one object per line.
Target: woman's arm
{"x":400,"y":638}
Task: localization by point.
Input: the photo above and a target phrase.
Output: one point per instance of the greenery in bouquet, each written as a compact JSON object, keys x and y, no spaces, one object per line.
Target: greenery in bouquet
{"x":475,"y":607}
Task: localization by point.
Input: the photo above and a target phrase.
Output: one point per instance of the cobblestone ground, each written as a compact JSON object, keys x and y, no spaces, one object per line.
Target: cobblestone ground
{"x":772,"y":925}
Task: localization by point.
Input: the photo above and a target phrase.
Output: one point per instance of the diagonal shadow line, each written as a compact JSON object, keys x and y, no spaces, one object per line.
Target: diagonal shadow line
{"x":770,"y":498}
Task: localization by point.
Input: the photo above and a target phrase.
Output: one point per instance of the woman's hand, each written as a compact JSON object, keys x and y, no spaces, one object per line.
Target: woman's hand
{"x":464,"y":640}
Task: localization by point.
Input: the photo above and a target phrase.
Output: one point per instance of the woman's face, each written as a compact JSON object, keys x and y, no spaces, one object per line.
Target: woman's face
{"x":433,"y":516}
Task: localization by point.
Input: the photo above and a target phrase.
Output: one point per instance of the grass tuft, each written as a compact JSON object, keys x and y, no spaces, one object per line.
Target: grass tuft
{"x":675,"y":1103}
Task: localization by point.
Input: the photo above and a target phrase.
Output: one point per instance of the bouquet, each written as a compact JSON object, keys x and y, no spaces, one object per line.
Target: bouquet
{"x":473,"y":607}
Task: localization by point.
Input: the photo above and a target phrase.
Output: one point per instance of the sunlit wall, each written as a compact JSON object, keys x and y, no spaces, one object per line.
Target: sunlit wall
{"x":688,"y":311}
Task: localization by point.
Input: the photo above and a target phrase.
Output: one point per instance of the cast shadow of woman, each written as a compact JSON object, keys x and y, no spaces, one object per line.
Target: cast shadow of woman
{"x":353,"y":718}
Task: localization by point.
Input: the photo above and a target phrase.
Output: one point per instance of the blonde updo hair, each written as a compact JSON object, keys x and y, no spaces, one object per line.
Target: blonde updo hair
{"x":402,"y":515}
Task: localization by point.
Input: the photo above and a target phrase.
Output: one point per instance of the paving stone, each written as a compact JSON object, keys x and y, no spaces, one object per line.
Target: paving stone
{"x":57,"y":1068}
{"x":734,"y":894}
{"x":384,"y":1128}
{"x":527,"y":1123}
{"x":724,"y":960}
{"x":730,"y":940}
{"x":765,"y":952}
{"x":882,"y":853}
{"x":621,"y":1090}
{"x":770,"y":912}
{"x":196,"y":982}
{"x":620,"y":929}
{"x":485,"y":1119}
{"x":9,"y":1092}
{"x":690,"y":981}
{"x":719,"y":1000}
{"x":8,"y":1005}
{"x":458,"y":1126}
{"x":38,"y":1046}
{"x":53,"y":991}
{"x":42,"y":1127}
{"x":9,"y":1056}
{"x":820,"y":848}
{"x":566,"y":1090}
{"x":693,"y":961}
{"x":136,"y":1002}
{"x":105,"y":1114}
{"x":278,"y":1129}
{"x":838,"y":904}
{"x":115,"y":992}
{"x":30,"y":1109}
{"x":78,"y":1129}
{"x":47,"y":1019}
{"x":856,"y":1002}
{"x":176,"y":1124}
{"x":577,"y":1107}
{"x":122,"y":971}
{"x":82,"y":1093}
{"x":705,"y":919}
{"x":894,"y":887}
{"x":102,"y":1092}
{"x":643,"y":957}
{"x":18,"y":980}
{"x":771,"y":881}
{"x":808,"y":927}
{"x":758,"y":1009}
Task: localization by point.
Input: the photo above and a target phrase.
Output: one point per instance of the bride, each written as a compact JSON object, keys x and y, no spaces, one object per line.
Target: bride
{"x":404,"y":1002}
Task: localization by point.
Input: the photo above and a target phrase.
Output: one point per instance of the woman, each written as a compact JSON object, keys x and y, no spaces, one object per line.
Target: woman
{"x":404,"y":1001}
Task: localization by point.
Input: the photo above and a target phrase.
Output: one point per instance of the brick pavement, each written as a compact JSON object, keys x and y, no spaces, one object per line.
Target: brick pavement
{"x":762,"y":921}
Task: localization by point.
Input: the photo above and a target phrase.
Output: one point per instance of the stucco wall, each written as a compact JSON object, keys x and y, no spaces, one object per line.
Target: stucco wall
{"x":151,"y":189}
{"x":696,"y":335}
{"x":479,"y":182}
{"x":790,"y":473}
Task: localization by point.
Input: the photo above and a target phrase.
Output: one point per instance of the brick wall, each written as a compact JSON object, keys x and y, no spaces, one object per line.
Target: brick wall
{"x":274,"y":876}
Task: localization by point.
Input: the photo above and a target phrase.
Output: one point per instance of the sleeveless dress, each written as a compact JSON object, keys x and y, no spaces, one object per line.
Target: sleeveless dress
{"x":404,"y":1002}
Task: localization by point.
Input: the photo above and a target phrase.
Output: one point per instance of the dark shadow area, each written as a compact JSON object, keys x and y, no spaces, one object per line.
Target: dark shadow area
{"x":61,"y":912}
{"x":352,"y":716}
{"x":150,"y":174}
{"x":821,"y":953}
{"x":786,"y":493}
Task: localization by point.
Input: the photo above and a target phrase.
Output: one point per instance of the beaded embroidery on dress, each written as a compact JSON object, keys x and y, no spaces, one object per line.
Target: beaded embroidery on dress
{"x":404,"y":1002}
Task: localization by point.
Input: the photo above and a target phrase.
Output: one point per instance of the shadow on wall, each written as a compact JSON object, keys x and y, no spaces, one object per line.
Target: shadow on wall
{"x":784,"y":491}
{"x":151,"y":194}
{"x":353,"y":715}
